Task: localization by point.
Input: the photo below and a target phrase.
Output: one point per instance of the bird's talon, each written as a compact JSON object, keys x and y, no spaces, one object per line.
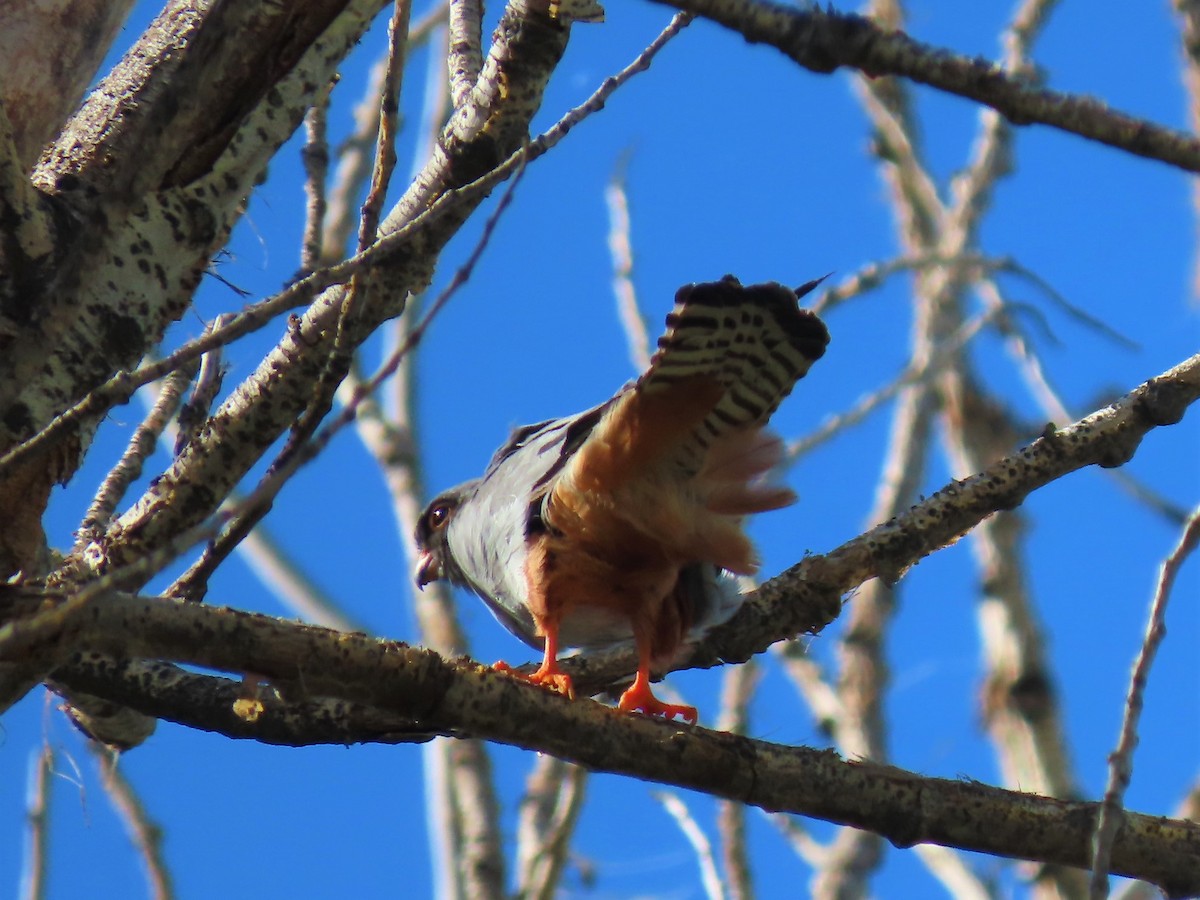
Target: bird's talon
{"x":554,"y":679}
{"x":638,"y":699}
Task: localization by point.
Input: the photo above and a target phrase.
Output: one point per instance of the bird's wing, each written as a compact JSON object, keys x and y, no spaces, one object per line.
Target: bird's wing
{"x":683,"y":450}
{"x":754,"y":342}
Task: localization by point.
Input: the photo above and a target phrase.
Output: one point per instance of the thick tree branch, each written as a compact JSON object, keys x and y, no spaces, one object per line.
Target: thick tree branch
{"x":824,"y":41}
{"x":173,"y":104}
{"x":306,"y":661}
{"x":145,"y":182}
{"x":241,"y":709}
{"x":40,"y":89}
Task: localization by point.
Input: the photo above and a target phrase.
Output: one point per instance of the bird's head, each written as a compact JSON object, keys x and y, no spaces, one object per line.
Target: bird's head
{"x":435,"y":560}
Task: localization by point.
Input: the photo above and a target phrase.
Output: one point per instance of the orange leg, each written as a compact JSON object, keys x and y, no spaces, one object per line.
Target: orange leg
{"x":639,"y":698}
{"x":548,"y":674}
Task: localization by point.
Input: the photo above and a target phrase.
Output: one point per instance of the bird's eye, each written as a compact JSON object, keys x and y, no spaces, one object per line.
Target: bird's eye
{"x":438,"y":515}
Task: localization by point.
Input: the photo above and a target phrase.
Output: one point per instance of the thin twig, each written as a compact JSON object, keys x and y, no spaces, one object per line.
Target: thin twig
{"x":37,"y":818}
{"x":195,"y":412}
{"x":1120,"y":761}
{"x":803,"y":844}
{"x":737,"y":693}
{"x":315,"y":157}
{"x":709,"y":876}
{"x":620,"y":249}
{"x":553,"y":800}
{"x":805,"y":672}
{"x":436,"y":105}
{"x":913,"y":375}
{"x":145,"y":834}
{"x":385,"y":138}
{"x":949,"y":868}
{"x":354,"y":153}
{"x":1029,"y":365}
{"x":129,"y":468}
{"x":973,"y":267}
{"x":354,"y":165}
{"x":1189,"y":25}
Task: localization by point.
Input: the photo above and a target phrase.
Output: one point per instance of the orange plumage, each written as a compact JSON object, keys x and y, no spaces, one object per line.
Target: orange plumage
{"x":624,"y":519}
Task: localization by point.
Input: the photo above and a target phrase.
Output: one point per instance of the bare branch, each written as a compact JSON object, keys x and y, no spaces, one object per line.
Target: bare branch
{"x":1120,"y":761}
{"x":464,"y":696}
{"x":823,"y":41}
{"x":1189,"y":14}
{"x":916,"y":374}
{"x":478,"y":853}
{"x":315,"y":157}
{"x":709,"y":876}
{"x":465,"y":58}
{"x":385,"y":139}
{"x":549,"y":810}
{"x":956,"y":876}
{"x":275,"y":567}
{"x":37,"y":819}
{"x":803,"y":844}
{"x":737,"y":692}
{"x":145,"y":834}
{"x":129,"y":468}
{"x":620,"y":248}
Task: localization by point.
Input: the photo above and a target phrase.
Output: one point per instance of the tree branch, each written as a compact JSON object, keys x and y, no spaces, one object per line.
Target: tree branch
{"x":824,"y":41}
{"x":306,"y":661}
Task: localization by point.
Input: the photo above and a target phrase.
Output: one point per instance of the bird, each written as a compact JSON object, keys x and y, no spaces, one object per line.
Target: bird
{"x":626,"y":521}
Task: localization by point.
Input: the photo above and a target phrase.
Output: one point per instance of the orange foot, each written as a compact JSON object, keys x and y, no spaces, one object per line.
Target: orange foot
{"x":639,"y":699}
{"x":548,"y":675}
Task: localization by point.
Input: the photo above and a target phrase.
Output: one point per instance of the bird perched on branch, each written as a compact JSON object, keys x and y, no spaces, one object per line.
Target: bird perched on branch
{"x":626,"y":521}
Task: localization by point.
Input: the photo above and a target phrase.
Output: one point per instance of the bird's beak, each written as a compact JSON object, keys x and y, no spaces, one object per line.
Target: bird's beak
{"x":428,"y":569}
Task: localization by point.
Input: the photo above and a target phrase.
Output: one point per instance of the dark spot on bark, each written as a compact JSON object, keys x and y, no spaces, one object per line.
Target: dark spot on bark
{"x":203,"y":227}
{"x":18,"y":420}
{"x":121,"y":337}
{"x":471,"y":161}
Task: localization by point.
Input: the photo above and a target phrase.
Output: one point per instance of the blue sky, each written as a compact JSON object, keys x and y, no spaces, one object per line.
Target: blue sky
{"x":737,"y":162}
